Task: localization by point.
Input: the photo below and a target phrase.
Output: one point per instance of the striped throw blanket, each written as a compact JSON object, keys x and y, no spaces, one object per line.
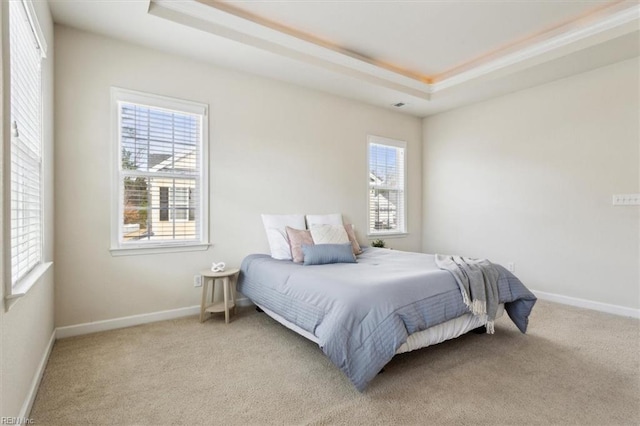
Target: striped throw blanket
{"x":478,"y":282}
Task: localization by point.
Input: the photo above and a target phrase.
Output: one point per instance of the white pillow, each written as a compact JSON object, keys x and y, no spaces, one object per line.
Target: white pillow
{"x":329,"y":234}
{"x":274,"y":226}
{"x":324,"y":219}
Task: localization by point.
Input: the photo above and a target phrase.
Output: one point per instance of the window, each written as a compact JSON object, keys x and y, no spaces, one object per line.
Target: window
{"x":161,"y":175}
{"x":24,"y":160}
{"x":387,"y":201}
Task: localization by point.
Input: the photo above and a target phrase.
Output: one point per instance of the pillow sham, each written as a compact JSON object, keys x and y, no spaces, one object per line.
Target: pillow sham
{"x":323,"y":254}
{"x":274,"y":226}
{"x":298,"y":238}
{"x":329,"y":234}
{"x":324,"y":219}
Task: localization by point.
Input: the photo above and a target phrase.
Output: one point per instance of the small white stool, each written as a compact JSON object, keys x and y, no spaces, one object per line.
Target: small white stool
{"x":225,"y":306}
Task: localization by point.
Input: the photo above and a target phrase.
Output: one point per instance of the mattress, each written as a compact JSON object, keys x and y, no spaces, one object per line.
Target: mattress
{"x":361,"y":314}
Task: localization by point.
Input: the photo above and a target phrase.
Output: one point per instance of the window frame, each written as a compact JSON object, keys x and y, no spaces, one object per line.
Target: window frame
{"x":13,"y":291}
{"x":394,"y":143}
{"x":118,"y":247}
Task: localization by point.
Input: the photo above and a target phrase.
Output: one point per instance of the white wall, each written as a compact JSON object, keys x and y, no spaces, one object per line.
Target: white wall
{"x":528,"y":178}
{"x":274,"y":148}
{"x":28,"y":326}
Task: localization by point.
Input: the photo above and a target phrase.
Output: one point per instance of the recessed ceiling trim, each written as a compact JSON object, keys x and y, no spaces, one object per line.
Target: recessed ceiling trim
{"x":593,"y":14}
{"x":228,"y":7}
{"x":227,"y":21}
{"x":615,"y":25}
{"x":224,"y":24}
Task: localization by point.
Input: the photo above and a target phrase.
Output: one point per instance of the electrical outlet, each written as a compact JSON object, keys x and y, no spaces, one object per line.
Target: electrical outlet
{"x":511,"y":266}
{"x":197,"y":280}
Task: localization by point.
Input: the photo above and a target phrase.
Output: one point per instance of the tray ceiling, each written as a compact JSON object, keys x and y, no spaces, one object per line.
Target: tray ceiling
{"x":432,"y":56}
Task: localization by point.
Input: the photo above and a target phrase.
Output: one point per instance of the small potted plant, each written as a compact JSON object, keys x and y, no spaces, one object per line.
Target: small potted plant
{"x":378,"y":243}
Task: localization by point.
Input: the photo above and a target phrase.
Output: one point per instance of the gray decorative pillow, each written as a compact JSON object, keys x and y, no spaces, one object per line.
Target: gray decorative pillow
{"x":322,"y":254}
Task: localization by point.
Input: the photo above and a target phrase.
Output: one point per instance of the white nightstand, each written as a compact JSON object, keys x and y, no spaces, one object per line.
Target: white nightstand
{"x":228,"y":278}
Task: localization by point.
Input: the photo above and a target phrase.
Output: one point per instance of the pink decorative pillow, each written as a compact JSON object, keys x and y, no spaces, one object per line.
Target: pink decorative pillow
{"x":298,"y":238}
{"x":352,"y":239}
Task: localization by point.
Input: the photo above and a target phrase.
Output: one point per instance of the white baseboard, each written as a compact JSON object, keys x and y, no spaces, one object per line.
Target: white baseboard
{"x":122,"y":322}
{"x":588,"y":304}
{"x":25,"y":411}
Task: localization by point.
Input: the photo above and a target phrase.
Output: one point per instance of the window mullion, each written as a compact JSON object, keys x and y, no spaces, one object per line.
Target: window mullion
{"x":173,"y":208}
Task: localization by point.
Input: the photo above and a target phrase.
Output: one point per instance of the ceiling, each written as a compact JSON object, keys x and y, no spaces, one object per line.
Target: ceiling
{"x":430,"y":55}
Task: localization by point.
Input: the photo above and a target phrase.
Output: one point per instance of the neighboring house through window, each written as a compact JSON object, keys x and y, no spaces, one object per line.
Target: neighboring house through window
{"x":164,"y":203}
{"x":161,"y":175}
{"x":387,"y":200}
{"x":23,"y":155}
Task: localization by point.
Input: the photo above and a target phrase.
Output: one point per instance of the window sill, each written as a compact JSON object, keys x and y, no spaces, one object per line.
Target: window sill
{"x":23,"y":287}
{"x":388,"y":235}
{"x":133,"y":251}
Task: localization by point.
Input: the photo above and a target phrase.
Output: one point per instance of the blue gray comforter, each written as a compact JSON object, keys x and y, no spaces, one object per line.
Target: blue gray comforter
{"x":362,"y":312}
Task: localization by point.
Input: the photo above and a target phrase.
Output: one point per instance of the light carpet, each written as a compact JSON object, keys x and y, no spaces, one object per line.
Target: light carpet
{"x":574,"y":366}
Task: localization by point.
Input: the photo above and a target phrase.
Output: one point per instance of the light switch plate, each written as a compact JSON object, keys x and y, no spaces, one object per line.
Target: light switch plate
{"x":626,"y":200}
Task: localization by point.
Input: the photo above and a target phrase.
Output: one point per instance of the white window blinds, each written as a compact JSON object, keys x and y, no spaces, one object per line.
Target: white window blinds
{"x":26,"y":152}
{"x":160,"y":174}
{"x":386,"y":186}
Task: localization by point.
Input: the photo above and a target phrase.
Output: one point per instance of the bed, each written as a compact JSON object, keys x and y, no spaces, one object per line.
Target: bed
{"x":362,"y":314}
